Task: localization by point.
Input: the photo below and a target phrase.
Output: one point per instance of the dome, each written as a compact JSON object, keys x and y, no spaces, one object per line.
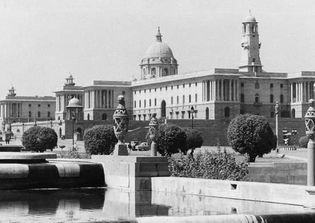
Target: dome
{"x":159,"y":49}
{"x":74,"y":103}
{"x":250,"y":18}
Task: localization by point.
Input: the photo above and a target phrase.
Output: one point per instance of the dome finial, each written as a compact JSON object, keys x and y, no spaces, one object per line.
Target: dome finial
{"x":158,"y":35}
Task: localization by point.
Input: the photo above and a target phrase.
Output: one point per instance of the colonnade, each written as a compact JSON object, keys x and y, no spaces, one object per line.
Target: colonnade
{"x":11,"y":110}
{"x":302,"y":91}
{"x":220,"y":90}
{"x":99,"y":99}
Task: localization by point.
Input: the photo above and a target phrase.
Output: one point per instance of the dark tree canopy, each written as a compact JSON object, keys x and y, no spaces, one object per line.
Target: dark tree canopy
{"x":39,"y":139}
{"x":100,"y":139}
{"x":171,"y":139}
{"x":193,"y":139}
{"x":251,"y":134}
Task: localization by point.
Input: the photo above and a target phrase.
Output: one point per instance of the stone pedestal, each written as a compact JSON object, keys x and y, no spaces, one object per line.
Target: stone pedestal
{"x":121,"y":149}
{"x":132,"y":172}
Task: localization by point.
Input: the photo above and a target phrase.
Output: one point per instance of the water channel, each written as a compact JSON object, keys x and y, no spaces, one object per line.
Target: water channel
{"x":101,"y":205}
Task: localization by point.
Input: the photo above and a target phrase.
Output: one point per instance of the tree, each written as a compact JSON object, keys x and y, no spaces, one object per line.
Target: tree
{"x":193,"y":139}
{"x":100,"y":139}
{"x":39,"y":139}
{"x":171,"y":139}
{"x":251,"y":134}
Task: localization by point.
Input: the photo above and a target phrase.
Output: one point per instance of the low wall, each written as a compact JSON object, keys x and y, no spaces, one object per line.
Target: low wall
{"x":266,"y":192}
{"x":293,"y":172}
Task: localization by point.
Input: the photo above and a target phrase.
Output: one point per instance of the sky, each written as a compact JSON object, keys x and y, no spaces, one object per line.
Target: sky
{"x":42,"y":42}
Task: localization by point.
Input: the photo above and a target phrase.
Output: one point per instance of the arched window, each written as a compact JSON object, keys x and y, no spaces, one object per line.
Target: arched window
{"x":293,"y":113}
{"x":256,"y":85}
{"x":104,"y":116}
{"x":271,"y":98}
{"x":153,"y":71}
{"x":88,"y":116}
{"x":163,"y":109}
{"x":226,"y":112}
{"x":207,"y":113}
{"x":281,"y":98}
{"x":165,"y":72}
{"x":256,"y":98}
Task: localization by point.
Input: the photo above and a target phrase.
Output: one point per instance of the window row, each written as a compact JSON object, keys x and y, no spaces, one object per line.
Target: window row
{"x":257,"y":98}
{"x":166,"y":88}
{"x":30,"y":105}
{"x":39,"y":114}
{"x":257,"y":86}
{"x":190,"y":100}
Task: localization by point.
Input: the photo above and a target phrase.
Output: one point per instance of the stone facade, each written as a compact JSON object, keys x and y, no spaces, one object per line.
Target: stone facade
{"x":25,"y":109}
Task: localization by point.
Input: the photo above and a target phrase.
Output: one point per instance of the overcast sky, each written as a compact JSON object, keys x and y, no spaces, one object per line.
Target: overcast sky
{"x":42,"y":41}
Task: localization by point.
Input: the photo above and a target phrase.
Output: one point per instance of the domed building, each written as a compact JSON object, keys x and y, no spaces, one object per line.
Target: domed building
{"x":158,"y":60}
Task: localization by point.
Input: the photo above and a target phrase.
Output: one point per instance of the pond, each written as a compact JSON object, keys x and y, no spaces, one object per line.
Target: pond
{"x":101,"y":205}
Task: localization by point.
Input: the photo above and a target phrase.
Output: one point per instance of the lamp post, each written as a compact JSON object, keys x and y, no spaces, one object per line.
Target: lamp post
{"x":73,"y":107}
{"x":192,"y":111}
{"x":277,"y":124}
{"x":153,"y":126}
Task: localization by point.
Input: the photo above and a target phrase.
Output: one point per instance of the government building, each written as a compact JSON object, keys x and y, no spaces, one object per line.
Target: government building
{"x":210,"y":97}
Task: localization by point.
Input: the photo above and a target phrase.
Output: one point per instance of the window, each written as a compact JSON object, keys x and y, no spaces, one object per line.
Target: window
{"x":135,"y":104}
{"x":281,"y":85}
{"x":253,"y":60}
{"x":196,"y":97}
{"x":155,"y":102}
{"x":165,"y":88}
{"x":183,"y":85}
{"x":256,"y":98}
{"x":293,"y":113}
{"x":144,"y":90}
{"x":256,"y":85}
{"x":165,"y":72}
{"x":189,"y":99}
{"x":271,"y":98}
{"x":177,"y":99}
{"x":183,"y":114}
{"x":207,"y":113}
{"x":172,"y":87}
{"x":150,"y":102}
{"x":139,"y":103}
{"x":271,"y":85}
{"x":281,"y":98}
{"x":226,"y":112}
{"x":242,"y":98}
{"x":153,"y":71}
{"x":48,"y":114}
{"x":155,"y":89}
{"x":29,"y":105}
{"x":172,"y":100}
{"x":242,"y":84}
{"x":189,"y":84}
{"x":30,"y":114}
{"x":177,"y":86}
{"x":196,"y":84}
{"x":88,"y":116}
{"x":183,"y":99}
{"x":144,"y":103}
{"x":104,"y":116}
{"x":38,"y":114}
{"x":38,"y":105}
{"x":48,"y":105}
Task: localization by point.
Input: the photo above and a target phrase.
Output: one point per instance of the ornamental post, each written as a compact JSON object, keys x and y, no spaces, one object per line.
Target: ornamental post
{"x":121,"y":121}
{"x":277,"y":125}
{"x":310,"y":130}
{"x":153,"y":127}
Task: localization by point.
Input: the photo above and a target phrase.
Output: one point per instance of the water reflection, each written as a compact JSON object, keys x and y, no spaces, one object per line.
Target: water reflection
{"x":84,"y":205}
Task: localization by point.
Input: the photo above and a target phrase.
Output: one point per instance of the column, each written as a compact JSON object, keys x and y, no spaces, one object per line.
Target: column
{"x":297,"y":91}
{"x":210,"y":90}
{"x":231,"y":90}
{"x":222,"y":90}
{"x":291,"y":92}
{"x":235,"y":89}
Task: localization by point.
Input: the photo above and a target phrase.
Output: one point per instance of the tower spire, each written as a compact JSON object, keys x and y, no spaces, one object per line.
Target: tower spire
{"x":158,"y":35}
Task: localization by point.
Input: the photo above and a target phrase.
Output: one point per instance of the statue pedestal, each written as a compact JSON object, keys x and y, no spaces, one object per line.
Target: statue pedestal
{"x":121,"y":150}
{"x":132,"y":173}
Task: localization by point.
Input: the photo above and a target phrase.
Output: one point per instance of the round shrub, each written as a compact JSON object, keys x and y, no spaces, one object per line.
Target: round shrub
{"x":303,"y":141}
{"x":171,"y":139}
{"x":193,"y":139}
{"x":100,"y":139}
{"x":251,"y":134}
{"x":208,"y":165}
{"x":39,"y":139}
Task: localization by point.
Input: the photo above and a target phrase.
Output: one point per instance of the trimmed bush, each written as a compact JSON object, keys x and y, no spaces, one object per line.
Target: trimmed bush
{"x":193,"y":139}
{"x":303,"y":141}
{"x":208,"y":165}
{"x":100,"y":139}
{"x":171,"y":139}
{"x":251,"y":134}
{"x":39,"y":139}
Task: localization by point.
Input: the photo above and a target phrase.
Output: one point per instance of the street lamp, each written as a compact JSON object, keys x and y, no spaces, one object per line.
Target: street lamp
{"x":192,"y":111}
{"x":277,"y":123}
{"x":73,"y":107}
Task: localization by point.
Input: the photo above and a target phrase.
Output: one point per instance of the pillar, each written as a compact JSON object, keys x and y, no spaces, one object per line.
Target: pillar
{"x":291,"y":92}
{"x":222,"y":90}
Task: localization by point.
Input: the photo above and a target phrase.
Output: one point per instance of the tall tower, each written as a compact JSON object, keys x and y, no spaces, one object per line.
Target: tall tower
{"x":250,"y":60}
